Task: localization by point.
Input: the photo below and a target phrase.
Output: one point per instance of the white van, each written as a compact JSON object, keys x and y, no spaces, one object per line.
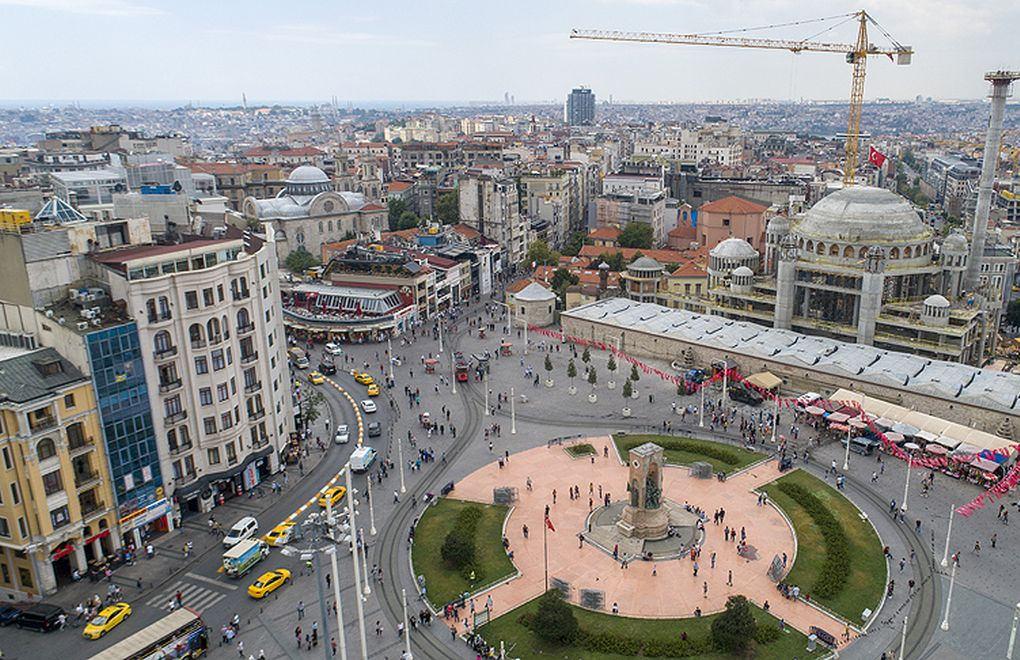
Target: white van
{"x":245,"y":528}
{"x":362,"y":458}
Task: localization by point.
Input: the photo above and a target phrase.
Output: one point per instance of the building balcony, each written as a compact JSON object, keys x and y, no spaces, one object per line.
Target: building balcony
{"x":255,"y":415}
{"x":183,"y":448}
{"x":251,"y":388}
{"x":169,"y":385}
{"x":198,"y":343}
{"x":215,"y":339}
{"x":164,"y":353}
{"x":90,"y":506}
{"x":80,"y":445}
{"x":42,"y":423}
{"x":250,"y":357}
{"x":245,"y":329}
{"x":84,"y":480}
{"x":179,"y":416}
{"x":159,"y":318}
{"x":185,"y":478}
{"x":240,"y":294}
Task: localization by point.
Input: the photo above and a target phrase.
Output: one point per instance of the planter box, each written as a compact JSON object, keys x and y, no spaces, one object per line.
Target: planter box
{"x":626,"y":412}
{"x":611,"y":384}
{"x":634,"y":394}
{"x":571,"y":390}
{"x":593,"y":397}
{"x":549,"y":382}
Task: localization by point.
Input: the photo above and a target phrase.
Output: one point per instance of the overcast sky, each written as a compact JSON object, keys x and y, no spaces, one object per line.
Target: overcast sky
{"x":460,"y":50}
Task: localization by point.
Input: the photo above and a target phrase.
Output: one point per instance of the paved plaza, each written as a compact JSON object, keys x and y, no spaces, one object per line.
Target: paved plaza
{"x":645,"y":589}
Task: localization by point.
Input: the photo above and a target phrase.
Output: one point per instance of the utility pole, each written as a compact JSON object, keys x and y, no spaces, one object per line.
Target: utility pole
{"x":371,"y":506}
{"x":453,"y":374}
{"x":513,"y":413}
{"x":354,"y":553}
{"x":407,"y":628}
{"x":945,"y":554}
{"x":949,"y":597}
{"x":341,"y":634}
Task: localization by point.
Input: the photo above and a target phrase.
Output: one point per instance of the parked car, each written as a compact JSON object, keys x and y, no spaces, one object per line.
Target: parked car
{"x":374,"y":429}
{"x":245,"y":528}
{"x":343,"y":435}
{"x":40,"y":617}
{"x":9,"y":614}
{"x":315,"y":378}
{"x":745,"y":395}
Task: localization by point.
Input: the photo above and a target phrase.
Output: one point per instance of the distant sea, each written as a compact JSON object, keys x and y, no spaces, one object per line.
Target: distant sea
{"x":103,"y":104}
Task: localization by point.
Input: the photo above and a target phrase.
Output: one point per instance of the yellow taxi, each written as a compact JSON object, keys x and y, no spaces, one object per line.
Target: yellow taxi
{"x":316,"y":378}
{"x":363,"y":377}
{"x":332,"y":495}
{"x":373,"y":390}
{"x":268,"y":582}
{"x":280,"y":534}
{"x":107,"y":619}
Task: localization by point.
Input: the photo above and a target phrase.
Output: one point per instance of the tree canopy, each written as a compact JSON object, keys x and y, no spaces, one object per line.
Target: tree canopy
{"x":636,"y":235}
{"x":733,"y":630}
{"x":448,"y":208}
{"x":574,"y":243}
{"x":541,"y":254}
{"x":300,"y":260}
{"x":554,"y":620}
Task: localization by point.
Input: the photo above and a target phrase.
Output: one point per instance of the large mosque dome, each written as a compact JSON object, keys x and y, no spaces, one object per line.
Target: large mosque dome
{"x":863,"y":215}
{"x":307,"y":174}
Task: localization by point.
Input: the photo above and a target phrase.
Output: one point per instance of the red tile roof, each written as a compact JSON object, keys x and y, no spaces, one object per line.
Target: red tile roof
{"x":683,"y":231}
{"x":466,"y":231}
{"x":398,"y":186}
{"x":733,"y":204}
{"x":605,"y":233}
{"x":662,"y":256}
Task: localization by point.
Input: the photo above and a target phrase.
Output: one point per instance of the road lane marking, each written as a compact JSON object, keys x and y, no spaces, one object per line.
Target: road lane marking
{"x":210,"y":580}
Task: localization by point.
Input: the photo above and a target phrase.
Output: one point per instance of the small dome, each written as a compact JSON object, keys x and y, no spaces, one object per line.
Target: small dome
{"x":743,"y":271}
{"x":734,"y":248}
{"x":956,"y":243}
{"x":307,"y":174}
{"x":863,"y":214}
{"x":936,"y":301}
{"x":779,"y":224}
{"x":645,"y":263}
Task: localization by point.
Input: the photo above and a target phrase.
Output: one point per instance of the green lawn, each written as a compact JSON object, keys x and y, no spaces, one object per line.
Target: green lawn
{"x":684,"y":451}
{"x":583,"y":449}
{"x":865,"y":583}
{"x":445,"y":584}
{"x":521,"y":643}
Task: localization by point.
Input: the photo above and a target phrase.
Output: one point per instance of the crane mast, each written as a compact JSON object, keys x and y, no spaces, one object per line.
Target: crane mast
{"x":856,"y":55}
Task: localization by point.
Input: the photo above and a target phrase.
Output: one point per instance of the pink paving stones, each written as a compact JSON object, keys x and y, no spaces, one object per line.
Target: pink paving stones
{"x":674,"y":591}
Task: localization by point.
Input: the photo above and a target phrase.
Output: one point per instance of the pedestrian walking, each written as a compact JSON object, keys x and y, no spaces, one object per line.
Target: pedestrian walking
{"x":704,"y":589}
{"x":300,"y":610}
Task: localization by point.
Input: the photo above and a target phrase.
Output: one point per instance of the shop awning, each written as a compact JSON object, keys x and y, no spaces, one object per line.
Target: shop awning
{"x":839,"y":427}
{"x":858,"y":423}
{"x":927,"y":436}
{"x":838,"y":417}
{"x":894,"y":437}
{"x":936,"y":449}
{"x":948,"y":443}
{"x":765,"y":380}
{"x":984,"y":465}
{"x":905,"y":429}
{"x":813,"y":410}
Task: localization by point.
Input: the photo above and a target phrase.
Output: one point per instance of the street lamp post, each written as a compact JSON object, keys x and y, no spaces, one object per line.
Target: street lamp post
{"x":1012,"y":633}
{"x":906,"y":484}
{"x":389,"y":352}
{"x":949,"y":531}
{"x":407,"y":628}
{"x":701,"y":415}
{"x":364,"y":555}
{"x":371,"y":507}
{"x":400,"y":463}
{"x":439,"y":324}
{"x":949,"y":597}
{"x":485,"y":383}
{"x":339,"y":607}
{"x":357,"y":600}
{"x":775,"y":419}
{"x":903,"y":638}
{"x":453,"y":374}
{"x":513,"y":413}
{"x":323,"y":612}
{"x":846,"y":456}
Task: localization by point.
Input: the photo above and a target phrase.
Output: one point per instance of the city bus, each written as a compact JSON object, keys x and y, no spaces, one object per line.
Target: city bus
{"x":179,"y":635}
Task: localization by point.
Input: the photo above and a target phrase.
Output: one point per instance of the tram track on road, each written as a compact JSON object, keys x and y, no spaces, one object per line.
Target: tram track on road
{"x":425,"y":640}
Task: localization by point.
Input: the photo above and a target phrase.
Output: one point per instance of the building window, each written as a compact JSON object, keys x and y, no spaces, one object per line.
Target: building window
{"x":191,"y":299}
{"x":69,"y":400}
{"x":52,"y":482}
{"x":226,"y":421}
{"x":201,"y":365}
{"x":5,"y":531}
{"x":25,"y":577}
{"x":196,"y":335}
{"x":214,"y":456}
{"x":161,"y":342}
{"x":8,"y":463}
{"x":164,"y":308}
{"x":23,"y":528}
{"x":219,"y":292}
{"x":218,"y":362}
{"x":205,"y":396}
{"x":209,"y":423}
{"x":222,"y":392}
{"x":231,"y":453}
{"x":60,"y":517}
{"x":46,"y":449}
{"x":207,"y":297}
{"x":172,"y":405}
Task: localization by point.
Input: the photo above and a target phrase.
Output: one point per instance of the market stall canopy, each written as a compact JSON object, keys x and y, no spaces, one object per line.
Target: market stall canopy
{"x":984,"y":465}
{"x":813,"y":410}
{"x":905,"y":429}
{"x":912,"y":446}
{"x":838,"y":417}
{"x":765,"y":380}
{"x":937,"y":449}
{"x":894,"y":437}
{"x":927,"y":436}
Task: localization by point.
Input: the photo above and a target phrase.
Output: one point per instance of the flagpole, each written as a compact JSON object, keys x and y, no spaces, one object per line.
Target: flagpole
{"x":545,"y":547}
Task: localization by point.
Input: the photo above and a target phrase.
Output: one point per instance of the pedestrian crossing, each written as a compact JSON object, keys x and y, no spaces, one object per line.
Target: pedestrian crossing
{"x":196,"y":597}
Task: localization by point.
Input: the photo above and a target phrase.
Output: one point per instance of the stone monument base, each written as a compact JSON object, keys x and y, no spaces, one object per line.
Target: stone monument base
{"x":607,"y":528}
{"x":644,"y":523}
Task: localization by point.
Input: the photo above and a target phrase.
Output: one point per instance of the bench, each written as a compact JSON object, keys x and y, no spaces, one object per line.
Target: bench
{"x":823,"y":636}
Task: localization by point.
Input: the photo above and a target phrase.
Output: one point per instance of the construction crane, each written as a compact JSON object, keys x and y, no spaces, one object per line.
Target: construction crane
{"x":856,"y":54}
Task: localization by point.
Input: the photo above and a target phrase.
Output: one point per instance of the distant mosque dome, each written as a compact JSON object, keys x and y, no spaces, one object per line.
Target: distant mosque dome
{"x":307,"y":174}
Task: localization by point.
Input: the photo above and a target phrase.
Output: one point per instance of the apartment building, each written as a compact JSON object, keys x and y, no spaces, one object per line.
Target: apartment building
{"x":213,"y":352}
{"x":490,"y":204}
{"x":57,"y":511}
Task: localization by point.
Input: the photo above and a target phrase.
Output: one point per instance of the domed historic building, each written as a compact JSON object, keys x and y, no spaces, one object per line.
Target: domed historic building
{"x":859,"y":266}
{"x":309,"y":212}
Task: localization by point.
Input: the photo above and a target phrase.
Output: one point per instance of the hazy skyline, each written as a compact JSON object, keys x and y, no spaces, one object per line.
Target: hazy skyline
{"x":453,"y":50}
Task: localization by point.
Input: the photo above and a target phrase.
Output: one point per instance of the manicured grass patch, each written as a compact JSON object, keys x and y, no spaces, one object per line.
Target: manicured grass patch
{"x":444,"y":582}
{"x":847,"y":579}
{"x":583,"y":449}
{"x":608,"y":637}
{"x":684,"y":451}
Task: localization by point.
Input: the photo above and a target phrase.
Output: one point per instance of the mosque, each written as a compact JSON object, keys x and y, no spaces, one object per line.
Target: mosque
{"x":859,"y":266}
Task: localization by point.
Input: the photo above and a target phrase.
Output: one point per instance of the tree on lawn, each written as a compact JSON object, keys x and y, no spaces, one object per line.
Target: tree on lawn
{"x":592,"y":378}
{"x":554,"y":620}
{"x":628,"y":390}
{"x":571,"y":370}
{"x":733,"y":630}
{"x":548,"y":364}
{"x":634,"y":376}
{"x":636,"y":235}
{"x":586,"y":356}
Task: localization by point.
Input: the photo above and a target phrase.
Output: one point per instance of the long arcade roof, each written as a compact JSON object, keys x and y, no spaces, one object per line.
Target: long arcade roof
{"x":992,"y":390}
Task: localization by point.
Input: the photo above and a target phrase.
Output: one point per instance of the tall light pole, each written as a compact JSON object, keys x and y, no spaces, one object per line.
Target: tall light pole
{"x":439,"y":324}
{"x":367,"y":590}
{"x":339,"y":607}
{"x":701,"y":415}
{"x":1012,"y":633}
{"x":949,"y":597}
{"x":903,"y":638}
{"x":400,"y":463}
{"x":775,"y":419}
{"x":485,"y":384}
{"x":513,"y":413}
{"x":407,"y":628}
{"x":525,"y":324}
{"x":906,"y":484}
{"x":389,"y":352}
{"x":371,"y":506}
{"x":846,"y":456}
{"x":949,"y":531}
{"x":354,"y":552}
{"x":453,"y":374}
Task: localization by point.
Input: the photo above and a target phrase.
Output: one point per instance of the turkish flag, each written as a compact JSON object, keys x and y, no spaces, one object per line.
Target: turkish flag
{"x":876,"y":157}
{"x":548,"y":523}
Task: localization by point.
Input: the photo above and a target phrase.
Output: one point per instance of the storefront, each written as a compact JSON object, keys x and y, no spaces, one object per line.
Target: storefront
{"x":211,"y":491}
{"x":142,"y":524}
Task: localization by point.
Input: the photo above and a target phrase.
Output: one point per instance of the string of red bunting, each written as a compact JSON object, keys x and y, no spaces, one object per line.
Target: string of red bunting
{"x":996,"y":492}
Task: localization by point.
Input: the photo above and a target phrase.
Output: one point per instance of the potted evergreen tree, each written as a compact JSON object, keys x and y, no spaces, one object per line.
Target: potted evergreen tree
{"x":592,"y":379}
{"x":548,"y":370}
{"x":611,"y":384}
{"x":634,"y":376}
{"x":572,"y":374}
{"x":627,"y":393}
